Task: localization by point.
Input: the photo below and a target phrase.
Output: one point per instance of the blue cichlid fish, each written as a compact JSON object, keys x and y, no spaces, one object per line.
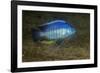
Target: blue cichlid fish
{"x":54,"y":30}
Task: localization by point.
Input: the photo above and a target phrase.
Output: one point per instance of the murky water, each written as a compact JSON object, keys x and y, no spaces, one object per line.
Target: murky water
{"x":77,"y":48}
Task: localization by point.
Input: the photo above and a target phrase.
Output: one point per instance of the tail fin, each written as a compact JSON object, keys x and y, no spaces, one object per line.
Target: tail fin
{"x":35,"y":34}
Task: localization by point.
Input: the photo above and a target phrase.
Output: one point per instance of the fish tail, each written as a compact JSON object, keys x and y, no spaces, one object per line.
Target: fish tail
{"x":35,"y":34}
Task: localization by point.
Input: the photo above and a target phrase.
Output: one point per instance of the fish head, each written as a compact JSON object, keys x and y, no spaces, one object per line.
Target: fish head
{"x":70,"y":32}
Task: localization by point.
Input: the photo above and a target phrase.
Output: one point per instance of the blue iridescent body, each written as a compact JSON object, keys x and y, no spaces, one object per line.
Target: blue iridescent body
{"x":54,"y":30}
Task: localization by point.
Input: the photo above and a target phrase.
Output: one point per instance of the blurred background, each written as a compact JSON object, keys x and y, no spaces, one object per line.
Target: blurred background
{"x":78,"y":48}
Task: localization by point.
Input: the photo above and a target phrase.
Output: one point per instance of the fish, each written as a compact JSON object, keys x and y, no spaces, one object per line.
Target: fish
{"x":55,"y":30}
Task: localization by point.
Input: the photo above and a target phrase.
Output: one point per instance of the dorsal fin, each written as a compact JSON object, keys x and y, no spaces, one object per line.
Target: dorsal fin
{"x":49,"y":23}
